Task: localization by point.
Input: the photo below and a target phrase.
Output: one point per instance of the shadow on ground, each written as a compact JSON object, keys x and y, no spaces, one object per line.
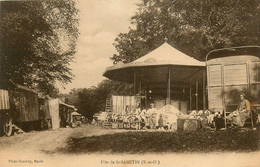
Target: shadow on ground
{"x":165,"y":142}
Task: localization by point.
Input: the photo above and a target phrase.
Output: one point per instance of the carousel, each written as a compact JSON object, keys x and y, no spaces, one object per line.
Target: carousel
{"x":164,"y":77}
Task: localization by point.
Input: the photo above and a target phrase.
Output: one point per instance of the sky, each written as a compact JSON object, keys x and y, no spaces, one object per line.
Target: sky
{"x":100,"y":23}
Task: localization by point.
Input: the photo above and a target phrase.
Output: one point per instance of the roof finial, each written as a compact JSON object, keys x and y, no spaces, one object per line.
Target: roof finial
{"x":165,"y":39}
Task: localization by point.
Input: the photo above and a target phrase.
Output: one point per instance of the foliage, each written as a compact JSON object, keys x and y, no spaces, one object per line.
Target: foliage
{"x":195,"y":27}
{"x":88,"y":103}
{"x":37,"y":42}
{"x":92,"y":100}
{"x":110,"y":87}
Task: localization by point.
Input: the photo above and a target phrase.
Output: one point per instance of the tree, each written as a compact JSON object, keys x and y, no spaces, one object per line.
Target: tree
{"x":109,"y":87}
{"x":37,"y":42}
{"x":195,"y":27}
{"x":89,"y":101}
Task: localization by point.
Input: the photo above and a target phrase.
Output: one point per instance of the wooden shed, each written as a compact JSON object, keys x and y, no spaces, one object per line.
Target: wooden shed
{"x":60,"y":113}
{"x":26,"y":104}
{"x":231,"y":71}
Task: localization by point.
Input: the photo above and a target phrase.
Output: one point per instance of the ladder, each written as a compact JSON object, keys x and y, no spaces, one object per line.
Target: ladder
{"x":108,"y":104}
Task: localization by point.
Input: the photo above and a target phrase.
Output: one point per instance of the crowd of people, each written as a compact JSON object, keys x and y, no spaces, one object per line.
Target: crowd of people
{"x":166,"y":117}
{"x":136,"y":118}
{"x":163,"y":119}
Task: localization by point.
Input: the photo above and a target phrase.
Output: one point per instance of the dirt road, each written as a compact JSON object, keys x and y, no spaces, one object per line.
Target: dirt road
{"x":49,"y":141}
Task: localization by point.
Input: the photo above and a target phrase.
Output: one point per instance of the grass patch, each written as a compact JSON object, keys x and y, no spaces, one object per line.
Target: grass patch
{"x":164,"y":142}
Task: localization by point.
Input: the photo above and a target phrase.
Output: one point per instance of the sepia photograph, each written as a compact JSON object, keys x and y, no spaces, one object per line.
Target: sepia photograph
{"x":129,"y":83}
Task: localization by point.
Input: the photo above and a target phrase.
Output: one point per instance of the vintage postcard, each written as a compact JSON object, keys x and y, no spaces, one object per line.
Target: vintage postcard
{"x":127,"y":83}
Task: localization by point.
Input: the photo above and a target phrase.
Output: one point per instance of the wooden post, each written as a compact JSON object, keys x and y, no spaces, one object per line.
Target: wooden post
{"x":169,"y":87}
{"x":140,"y":94}
{"x":134,"y":83}
{"x":223,"y":94}
{"x":204,"y":91}
{"x":140,"y":88}
{"x":123,"y":104}
{"x":197,"y":97}
{"x":190,"y":97}
{"x":145,"y":94}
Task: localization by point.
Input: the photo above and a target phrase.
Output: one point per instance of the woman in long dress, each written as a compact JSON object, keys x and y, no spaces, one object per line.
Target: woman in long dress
{"x":239,"y":116}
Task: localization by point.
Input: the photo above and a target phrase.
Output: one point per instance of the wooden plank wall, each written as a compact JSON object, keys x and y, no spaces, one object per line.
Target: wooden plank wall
{"x":230,"y":76}
{"x":29,"y":107}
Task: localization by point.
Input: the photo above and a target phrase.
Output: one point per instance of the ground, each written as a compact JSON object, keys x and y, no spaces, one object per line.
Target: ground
{"x":49,"y":141}
{"x":90,"y":139}
{"x":93,"y":146}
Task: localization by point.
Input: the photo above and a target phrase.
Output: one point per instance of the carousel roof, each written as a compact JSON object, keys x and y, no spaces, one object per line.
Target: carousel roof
{"x":156,"y":63}
{"x":167,"y":55}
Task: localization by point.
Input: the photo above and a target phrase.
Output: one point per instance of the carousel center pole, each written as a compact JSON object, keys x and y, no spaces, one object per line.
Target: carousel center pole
{"x":134,"y":83}
{"x":168,"y":101}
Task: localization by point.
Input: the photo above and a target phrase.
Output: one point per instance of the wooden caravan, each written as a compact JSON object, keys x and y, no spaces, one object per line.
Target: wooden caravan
{"x":231,"y":71}
{"x":5,"y":118}
{"x":19,"y":105}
